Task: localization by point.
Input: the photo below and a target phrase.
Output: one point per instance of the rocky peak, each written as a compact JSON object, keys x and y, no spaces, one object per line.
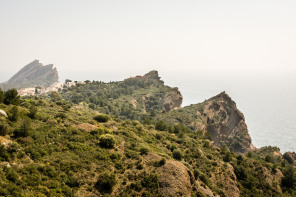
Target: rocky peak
{"x":152,"y":75}
{"x":31,"y":75}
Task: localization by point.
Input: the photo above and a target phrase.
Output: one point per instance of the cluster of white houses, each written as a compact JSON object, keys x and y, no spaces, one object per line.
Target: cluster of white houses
{"x":57,"y":86}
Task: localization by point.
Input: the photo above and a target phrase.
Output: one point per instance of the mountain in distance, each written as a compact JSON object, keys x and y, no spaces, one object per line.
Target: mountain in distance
{"x":32,"y":75}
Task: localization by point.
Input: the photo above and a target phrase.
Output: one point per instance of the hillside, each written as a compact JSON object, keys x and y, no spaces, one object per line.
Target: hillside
{"x":132,"y":138}
{"x":148,"y":99}
{"x":32,"y":75}
{"x":134,"y":98}
{"x":54,"y":148}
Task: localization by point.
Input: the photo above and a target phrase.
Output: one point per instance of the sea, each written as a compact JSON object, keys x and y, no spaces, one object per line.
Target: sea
{"x":267,"y":99}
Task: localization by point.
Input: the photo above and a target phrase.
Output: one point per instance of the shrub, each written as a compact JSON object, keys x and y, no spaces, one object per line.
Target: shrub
{"x":14,"y":114}
{"x":1,"y":96}
{"x":227,"y":157}
{"x":289,"y":158}
{"x":269,"y":158}
{"x":24,"y":129}
{"x":106,"y":181}
{"x":3,"y":129}
{"x":12,"y":97}
{"x":159,"y":163}
{"x":107,"y":141}
{"x":143,"y":151}
{"x":289,"y":179}
{"x":177,"y":154}
{"x":101,"y":118}
{"x":205,"y":179}
{"x":33,"y":112}
{"x":150,"y":181}
{"x":3,"y":153}
{"x":161,"y":125}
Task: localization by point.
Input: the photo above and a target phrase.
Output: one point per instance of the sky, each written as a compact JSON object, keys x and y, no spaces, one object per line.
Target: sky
{"x":114,"y":39}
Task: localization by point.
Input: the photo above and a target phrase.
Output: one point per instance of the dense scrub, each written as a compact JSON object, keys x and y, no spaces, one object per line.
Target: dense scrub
{"x":53,"y":147}
{"x":135,"y":98}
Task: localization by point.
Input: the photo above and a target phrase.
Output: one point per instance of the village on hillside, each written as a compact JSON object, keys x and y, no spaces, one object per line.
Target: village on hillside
{"x":57,"y":86}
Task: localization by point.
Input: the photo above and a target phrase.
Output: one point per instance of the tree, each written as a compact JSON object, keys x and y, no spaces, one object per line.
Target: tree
{"x":289,"y":179}
{"x":101,"y":118}
{"x":106,"y":181}
{"x":24,"y":129}
{"x":14,"y":114}
{"x":33,"y":112}
{"x":161,"y":125}
{"x":177,"y":154}
{"x":11,"y":97}
{"x":107,"y":141}
{"x":1,"y":96}
{"x":55,"y":95}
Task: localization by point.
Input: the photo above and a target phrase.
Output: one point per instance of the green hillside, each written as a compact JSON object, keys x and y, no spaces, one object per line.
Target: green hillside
{"x":52,"y":147}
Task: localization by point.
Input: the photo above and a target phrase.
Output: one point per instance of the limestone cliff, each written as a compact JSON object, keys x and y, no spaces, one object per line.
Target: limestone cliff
{"x":32,"y":75}
{"x":226,"y":124}
{"x":220,"y":117}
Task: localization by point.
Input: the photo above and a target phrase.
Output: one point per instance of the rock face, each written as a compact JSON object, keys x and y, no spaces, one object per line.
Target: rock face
{"x":32,"y":75}
{"x":160,"y":97}
{"x":226,"y":124}
{"x":174,"y":177}
{"x":220,"y":117}
{"x":173,"y":100}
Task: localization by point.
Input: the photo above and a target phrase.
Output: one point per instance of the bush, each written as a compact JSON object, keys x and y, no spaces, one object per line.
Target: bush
{"x":288,"y":158}
{"x":227,"y":157}
{"x":33,"y":112}
{"x":14,"y":114}
{"x":3,"y":153}
{"x":161,"y":125}
{"x":1,"y":96}
{"x":150,"y":181}
{"x":101,"y":118}
{"x":24,"y":129}
{"x":107,"y":141}
{"x":143,"y":151}
{"x":12,"y":97}
{"x":159,"y":163}
{"x":106,"y":181}
{"x":3,"y":129}
{"x":177,"y":154}
{"x":289,"y":179}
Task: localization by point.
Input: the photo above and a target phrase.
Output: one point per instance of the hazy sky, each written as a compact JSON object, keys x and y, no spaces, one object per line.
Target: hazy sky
{"x":107,"y":39}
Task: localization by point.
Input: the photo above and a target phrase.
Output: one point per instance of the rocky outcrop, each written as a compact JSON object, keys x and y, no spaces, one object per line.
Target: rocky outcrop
{"x":220,"y":117}
{"x":226,"y":124}
{"x":175,"y":178}
{"x":32,"y":75}
{"x":173,"y":100}
{"x":152,"y":75}
{"x":3,"y":113}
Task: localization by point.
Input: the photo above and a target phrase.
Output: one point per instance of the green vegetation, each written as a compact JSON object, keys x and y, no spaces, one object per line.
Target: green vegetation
{"x":11,"y":97}
{"x":101,"y":118}
{"x":54,"y":147}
